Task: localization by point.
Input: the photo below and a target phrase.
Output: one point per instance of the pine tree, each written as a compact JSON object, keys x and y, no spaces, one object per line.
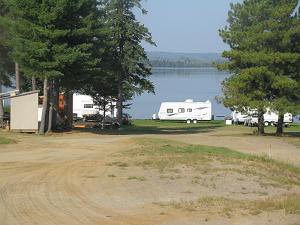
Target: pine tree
{"x":53,"y":39}
{"x":129,"y":61}
{"x":260,"y":59}
{"x":6,"y":64}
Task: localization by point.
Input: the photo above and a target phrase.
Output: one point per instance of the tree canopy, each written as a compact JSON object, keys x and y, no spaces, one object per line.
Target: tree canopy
{"x":89,"y":46}
{"x":129,"y":61}
{"x":262,"y":59}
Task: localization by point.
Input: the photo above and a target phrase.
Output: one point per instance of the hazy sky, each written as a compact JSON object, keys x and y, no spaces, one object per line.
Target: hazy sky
{"x":186,"y":25}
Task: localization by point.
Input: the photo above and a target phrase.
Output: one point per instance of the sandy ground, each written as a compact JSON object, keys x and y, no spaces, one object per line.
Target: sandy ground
{"x":72,"y":179}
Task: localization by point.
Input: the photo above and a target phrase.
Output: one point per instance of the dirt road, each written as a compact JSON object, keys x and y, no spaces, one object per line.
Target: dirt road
{"x":76,"y":179}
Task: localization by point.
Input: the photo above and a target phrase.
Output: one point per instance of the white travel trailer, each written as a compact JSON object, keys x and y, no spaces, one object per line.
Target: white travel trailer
{"x":239,"y":117}
{"x":251,"y":119}
{"x":83,"y":105}
{"x":188,"y":111}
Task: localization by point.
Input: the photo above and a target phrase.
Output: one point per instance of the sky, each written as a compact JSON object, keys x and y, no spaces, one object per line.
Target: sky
{"x":189,"y":26}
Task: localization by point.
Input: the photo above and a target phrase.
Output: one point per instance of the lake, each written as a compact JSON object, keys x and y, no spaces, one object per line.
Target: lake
{"x":179,"y":84}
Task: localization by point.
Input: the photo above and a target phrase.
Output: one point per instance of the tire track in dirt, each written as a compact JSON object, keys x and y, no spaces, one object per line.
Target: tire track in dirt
{"x":53,"y":194}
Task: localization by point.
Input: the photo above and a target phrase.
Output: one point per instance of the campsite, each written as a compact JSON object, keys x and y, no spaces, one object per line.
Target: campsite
{"x":151,"y":173}
{"x":150,"y":112}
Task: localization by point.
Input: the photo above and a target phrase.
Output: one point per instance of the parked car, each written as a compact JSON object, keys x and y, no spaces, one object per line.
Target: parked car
{"x":92,"y":118}
{"x":76,"y":118}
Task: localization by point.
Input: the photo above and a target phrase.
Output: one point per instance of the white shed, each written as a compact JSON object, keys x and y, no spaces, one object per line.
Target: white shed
{"x":24,"y":112}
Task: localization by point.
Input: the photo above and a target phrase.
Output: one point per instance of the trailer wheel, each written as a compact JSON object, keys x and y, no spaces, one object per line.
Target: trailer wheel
{"x":188,"y":121}
{"x":267,"y":124}
{"x":195,"y":121}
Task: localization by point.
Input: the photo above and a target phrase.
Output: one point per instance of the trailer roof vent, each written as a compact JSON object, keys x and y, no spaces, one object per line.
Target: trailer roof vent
{"x":189,"y":100}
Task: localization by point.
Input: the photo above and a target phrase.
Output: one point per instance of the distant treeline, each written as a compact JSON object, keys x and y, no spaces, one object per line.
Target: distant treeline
{"x":186,"y":63}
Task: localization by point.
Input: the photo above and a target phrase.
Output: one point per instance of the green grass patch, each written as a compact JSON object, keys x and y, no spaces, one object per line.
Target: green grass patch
{"x":5,"y":141}
{"x":165,"y":127}
{"x":291,"y":130}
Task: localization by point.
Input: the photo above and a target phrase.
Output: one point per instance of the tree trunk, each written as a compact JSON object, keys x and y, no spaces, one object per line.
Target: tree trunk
{"x":55,"y":102}
{"x":17,"y":71}
{"x":69,"y":108}
{"x":120,"y":102}
{"x":280,"y":125}
{"x":112,"y":109}
{"x":45,"y":107}
{"x":33,"y":83}
{"x":50,"y":115}
{"x":104,"y":109}
{"x":261,"y":122}
{"x":1,"y":106}
{"x":104,"y":114}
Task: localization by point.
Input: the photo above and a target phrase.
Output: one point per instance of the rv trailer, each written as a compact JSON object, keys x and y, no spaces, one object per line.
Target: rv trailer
{"x":239,"y":117}
{"x":83,"y":106}
{"x":188,"y":111}
{"x":251,"y":119}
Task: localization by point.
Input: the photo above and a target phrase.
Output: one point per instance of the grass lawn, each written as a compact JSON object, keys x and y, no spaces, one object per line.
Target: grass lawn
{"x":5,"y":141}
{"x":294,"y":128}
{"x":161,"y":127}
{"x":173,"y":126}
{"x":177,"y":127}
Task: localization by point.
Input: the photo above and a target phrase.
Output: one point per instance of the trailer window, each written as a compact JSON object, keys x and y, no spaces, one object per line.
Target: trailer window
{"x":88,"y":106}
{"x":169,"y":110}
{"x":189,"y":110}
{"x":181,"y":110}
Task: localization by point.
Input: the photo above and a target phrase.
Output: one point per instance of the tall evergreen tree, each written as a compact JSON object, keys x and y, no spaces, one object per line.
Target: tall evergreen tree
{"x":129,"y":61}
{"x":53,"y":39}
{"x":260,"y":59}
{"x":6,"y":64}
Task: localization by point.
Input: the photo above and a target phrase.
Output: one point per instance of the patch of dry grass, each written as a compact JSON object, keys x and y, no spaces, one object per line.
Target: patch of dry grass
{"x":137,"y":178}
{"x":165,"y":155}
{"x":290,"y":204}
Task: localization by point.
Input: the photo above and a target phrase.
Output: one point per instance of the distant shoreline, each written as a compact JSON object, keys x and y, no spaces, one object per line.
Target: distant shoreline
{"x":184,"y":68}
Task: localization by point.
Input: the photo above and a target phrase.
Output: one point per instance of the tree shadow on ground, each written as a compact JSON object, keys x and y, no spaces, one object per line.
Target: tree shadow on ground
{"x":157,"y":128}
{"x":288,"y":134}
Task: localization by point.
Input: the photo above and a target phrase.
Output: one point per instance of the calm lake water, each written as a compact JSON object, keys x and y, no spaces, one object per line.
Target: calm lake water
{"x":179,"y":84}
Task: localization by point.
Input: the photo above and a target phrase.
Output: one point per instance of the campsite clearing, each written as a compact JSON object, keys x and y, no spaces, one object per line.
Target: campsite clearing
{"x":151,"y":173}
